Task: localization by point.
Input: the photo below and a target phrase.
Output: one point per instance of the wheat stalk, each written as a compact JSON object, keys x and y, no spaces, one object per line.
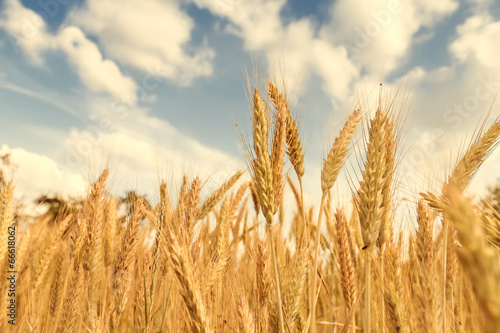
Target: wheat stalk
{"x":189,"y":293}
{"x":125,"y":264}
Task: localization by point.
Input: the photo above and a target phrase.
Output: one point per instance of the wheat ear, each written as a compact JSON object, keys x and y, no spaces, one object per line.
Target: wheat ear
{"x":479,"y":259}
{"x":70,"y":315}
{"x":261,"y":164}
{"x":278,"y":143}
{"x":370,"y":209}
{"x":125,"y":262}
{"x":245,"y":317}
{"x":337,"y":154}
{"x":347,"y":270}
{"x":474,"y":158}
{"x":190,"y":294}
{"x":95,"y":235}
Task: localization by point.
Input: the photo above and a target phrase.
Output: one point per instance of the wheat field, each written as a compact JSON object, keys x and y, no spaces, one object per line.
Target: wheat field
{"x":222,"y":263}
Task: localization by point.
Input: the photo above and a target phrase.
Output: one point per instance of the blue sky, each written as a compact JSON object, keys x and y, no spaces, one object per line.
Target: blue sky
{"x":158,"y":85}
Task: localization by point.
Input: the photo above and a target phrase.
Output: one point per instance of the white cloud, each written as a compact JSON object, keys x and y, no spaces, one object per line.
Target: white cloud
{"x":304,"y":54}
{"x":151,"y":35}
{"x":35,"y":174}
{"x":140,"y":150}
{"x":143,"y":149}
{"x":256,"y":22}
{"x":379,"y":34}
{"x":360,"y":40}
{"x":96,"y":73}
{"x":478,"y":39}
{"x":295,"y":46}
{"x":28,"y":32}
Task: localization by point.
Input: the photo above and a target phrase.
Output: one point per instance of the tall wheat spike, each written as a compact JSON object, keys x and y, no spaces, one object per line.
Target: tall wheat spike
{"x":125,"y":264}
{"x":95,"y":237}
{"x":370,"y":207}
{"x":278,"y":143}
{"x":263,"y":171}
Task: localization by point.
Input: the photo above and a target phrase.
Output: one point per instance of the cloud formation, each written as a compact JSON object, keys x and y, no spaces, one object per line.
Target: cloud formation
{"x":381,"y":33}
{"x":28,"y":32}
{"x":150,"y":35}
{"x":296,"y":44}
{"x":34,"y":174}
{"x":478,"y":39}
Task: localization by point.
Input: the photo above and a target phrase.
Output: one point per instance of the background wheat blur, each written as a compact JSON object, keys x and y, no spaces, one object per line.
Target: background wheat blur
{"x":222,"y":263}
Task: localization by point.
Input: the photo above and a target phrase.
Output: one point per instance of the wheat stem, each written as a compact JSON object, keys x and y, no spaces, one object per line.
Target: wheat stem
{"x":276,"y":277}
{"x":368,"y":261}
{"x":316,"y":254}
